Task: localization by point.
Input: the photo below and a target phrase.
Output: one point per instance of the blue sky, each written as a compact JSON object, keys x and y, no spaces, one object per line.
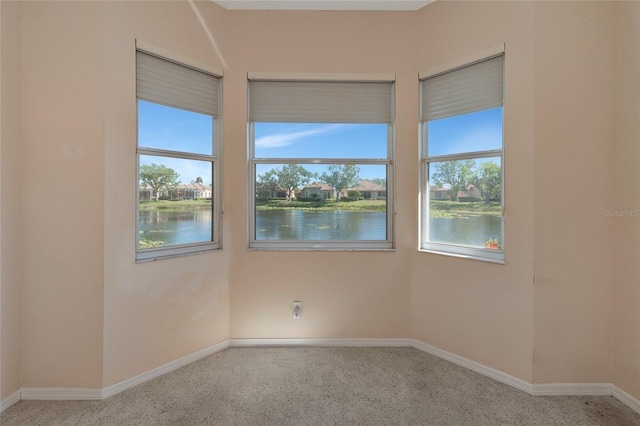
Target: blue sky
{"x":173,"y":129}
{"x":163,"y":127}
{"x":478,"y":131}
{"x":291,"y":140}
{"x":319,"y":140}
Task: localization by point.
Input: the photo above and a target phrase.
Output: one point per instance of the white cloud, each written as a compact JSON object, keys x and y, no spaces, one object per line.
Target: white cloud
{"x":283,"y":139}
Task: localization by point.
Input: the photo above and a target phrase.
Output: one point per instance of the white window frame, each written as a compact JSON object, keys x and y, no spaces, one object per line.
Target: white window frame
{"x":359,"y":245}
{"x":214,"y":159}
{"x":482,"y":254}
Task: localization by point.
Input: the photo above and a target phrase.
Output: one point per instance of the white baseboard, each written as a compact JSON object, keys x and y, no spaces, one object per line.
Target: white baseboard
{"x":626,"y":398}
{"x":573,"y":389}
{"x":474,"y":366}
{"x":56,"y":394}
{"x":163,"y":369}
{"x":358,"y":342}
{"x":61,"y":394}
{"x":10,"y":400}
{"x":538,"y":389}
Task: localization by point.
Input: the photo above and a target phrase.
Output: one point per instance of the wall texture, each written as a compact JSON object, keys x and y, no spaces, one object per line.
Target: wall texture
{"x":63,"y":191}
{"x":573,"y":114}
{"x":10,"y":200}
{"x":626,"y":348}
{"x":345,"y":294}
{"x":154,"y":312}
{"x":479,"y":310}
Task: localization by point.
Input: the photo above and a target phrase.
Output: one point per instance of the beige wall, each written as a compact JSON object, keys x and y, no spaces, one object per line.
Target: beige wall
{"x":344,"y":294}
{"x":479,"y":310}
{"x":154,"y":312}
{"x":627,"y":197}
{"x":574,"y":56}
{"x":10,"y":200}
{"x":62,"y":184}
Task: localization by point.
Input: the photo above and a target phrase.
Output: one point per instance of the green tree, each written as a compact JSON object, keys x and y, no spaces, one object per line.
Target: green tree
{"x":289,"y":178}
{"x":488,"y":179}
{"x":341,"y":177}
{"x":198,"y":180}
{"x":158,"y":177}
{"x":379,"y":181}
{"x":354,"y":195}
{"x":455,"y":174}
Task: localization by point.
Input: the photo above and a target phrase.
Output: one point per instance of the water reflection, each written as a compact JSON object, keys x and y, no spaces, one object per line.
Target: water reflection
{"x":191,"y":226}
{"x":292,"y":225}
{"x":468,"y":231}
{"x":176,"y":227}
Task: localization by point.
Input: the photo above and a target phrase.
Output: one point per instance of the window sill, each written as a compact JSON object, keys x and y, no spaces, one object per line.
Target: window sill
{"x":321,"y":249}
{"x":466,"y":253}
{"x":321,"y":246}
{"x":176,"y":251}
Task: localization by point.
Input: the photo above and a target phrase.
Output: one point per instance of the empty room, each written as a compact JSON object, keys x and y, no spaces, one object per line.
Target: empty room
{"x":320,"y":212}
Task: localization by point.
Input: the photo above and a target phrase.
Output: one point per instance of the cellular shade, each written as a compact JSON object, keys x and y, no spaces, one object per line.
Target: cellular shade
{"x":320,"y":102}
{"x":465,"y":90}
{"x":168,"y":83}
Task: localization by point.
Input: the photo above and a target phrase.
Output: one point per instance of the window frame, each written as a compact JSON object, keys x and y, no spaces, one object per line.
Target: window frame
{"x":175,"y":250}
{"x":388,"y":162}
{"x":455,"y":250}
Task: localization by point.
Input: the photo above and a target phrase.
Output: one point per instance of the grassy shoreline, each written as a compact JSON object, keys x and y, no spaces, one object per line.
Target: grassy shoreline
{"x":453,"y":209}
{"x":323,"y":205}
{"x":168,"y":205}
{"x":438,"y":208}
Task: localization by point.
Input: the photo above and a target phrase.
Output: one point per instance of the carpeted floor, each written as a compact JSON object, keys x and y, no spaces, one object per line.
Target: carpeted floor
{"x":314,"y":385}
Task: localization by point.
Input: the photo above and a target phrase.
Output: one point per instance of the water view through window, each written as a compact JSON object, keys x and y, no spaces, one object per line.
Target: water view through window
{"x":465,"y":195}
{"x":319,"y":197}
{"x":175,"y":194}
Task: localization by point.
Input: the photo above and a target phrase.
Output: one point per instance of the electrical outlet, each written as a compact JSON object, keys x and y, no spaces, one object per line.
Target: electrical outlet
{"x":297,"y":309}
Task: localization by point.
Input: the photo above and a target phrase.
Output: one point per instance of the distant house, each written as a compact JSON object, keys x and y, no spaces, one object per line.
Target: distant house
{"x":266,"y":192}
{"x":145,"y":193}
{"x":192,"y":191}
{"x":319,"y":189}
{"x":471,"y":191}
{"x":370,"y":190}
{"x":184,"y":191}
{"x":439,"y":193}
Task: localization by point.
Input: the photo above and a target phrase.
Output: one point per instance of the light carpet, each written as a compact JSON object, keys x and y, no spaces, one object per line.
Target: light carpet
{"x":324,"y":385}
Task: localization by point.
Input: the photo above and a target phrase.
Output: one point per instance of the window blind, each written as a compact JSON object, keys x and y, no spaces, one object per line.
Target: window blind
{"x":168,"y":83}
{"x":320,"y":102}
{"x":465,"y":90}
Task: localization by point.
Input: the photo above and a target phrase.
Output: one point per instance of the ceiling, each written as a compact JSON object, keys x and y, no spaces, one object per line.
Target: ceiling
{"x":324,"y":4}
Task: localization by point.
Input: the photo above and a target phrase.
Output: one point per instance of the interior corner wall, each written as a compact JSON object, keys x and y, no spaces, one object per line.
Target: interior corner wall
{"x":574,"y":60}
{"x":626,"y":217}
{"x":62,"y":177}
{"x":344,"y":294}
{"x":479,"y":310}
{"x":10,"y":200}
{"x":155,"y":312}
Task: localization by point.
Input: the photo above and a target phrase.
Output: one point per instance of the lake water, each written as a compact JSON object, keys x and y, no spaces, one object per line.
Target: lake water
{"x":190,"y":226}
{"x":176,"y":227}
{"x":468,"y":231}
{"x":310,"y":225}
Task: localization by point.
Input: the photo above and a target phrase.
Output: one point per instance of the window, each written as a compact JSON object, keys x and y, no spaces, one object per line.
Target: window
{"x":321,"y":153}
{"x":462,"y":191}
{"x":177,"y":158}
